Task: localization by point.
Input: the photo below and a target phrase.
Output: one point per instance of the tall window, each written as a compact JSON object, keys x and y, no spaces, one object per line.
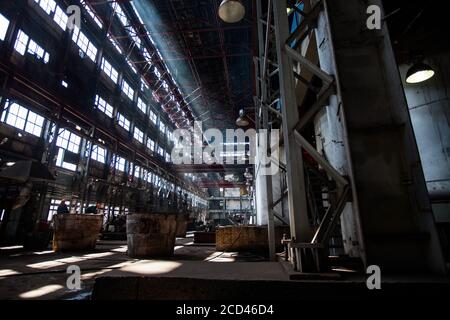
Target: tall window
{"x":103,"y":106}
{"x":161,"y":151}
{"x":109,"y":70}
{"x":4,"y":24}
{"x":150,"y":177}
{"x":84,"y":43}
{"x":58,"y":14}
{"x":38,"y":51}
{"x":153,"y":117}
{"x":23,"y":119}
{"x":138,"y":135}
{"x":162,"y":127}
{"x":120,"y":164}
{"x":157,"y":181}
{"x":137,"y":172}
{"x":141,"y":105}
{"x":98,"y":154}
{"x":123,"y":122}
{"x":25,"y":44}
{"x":151,"y":144}
{"x":60,"y":18}
{"x":48,"y":5}
{"x":127,"y":90}
{"x":67,"y":141}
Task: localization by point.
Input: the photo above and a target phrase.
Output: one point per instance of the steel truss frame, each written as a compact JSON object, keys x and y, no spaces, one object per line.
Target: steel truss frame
{"x":306,"y":245}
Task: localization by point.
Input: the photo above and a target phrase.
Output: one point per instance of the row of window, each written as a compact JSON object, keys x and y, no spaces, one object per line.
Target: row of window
{"x":107,"y":109}
{"x":61,"y":18}
{"x":54,"y":203}
{"x":115,"y":211}
{"x":85,"y":45}
{"x":82,"y":41}
{"x":30,"y":122}
{"x":26,"y":120}
{"x":25,"y":44}
{"x":23,"y":119}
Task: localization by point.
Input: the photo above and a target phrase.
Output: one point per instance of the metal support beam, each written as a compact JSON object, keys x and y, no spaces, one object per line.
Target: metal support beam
{"x":320,"y":160}
{"x":301,"y":229}
{"x":265,"y":190}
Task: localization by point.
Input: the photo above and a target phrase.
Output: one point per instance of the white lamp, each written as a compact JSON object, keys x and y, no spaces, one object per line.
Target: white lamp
{"x":419,"y":72}
{"x":231,"y":11}
{"x":242,"y":121}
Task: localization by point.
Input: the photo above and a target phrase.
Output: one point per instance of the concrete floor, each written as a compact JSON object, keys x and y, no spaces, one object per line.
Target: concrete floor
{"x":42,"y":274}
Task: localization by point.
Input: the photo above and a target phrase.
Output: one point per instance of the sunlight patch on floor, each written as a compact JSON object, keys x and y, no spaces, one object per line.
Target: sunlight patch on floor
{"x":46,"y":265}
{"x":8,"y":272}
{"x":152,"y":267}
{"x":37,"y":293}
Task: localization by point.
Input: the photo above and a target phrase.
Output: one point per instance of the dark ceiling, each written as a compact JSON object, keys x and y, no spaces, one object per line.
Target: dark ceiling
{"x":211,"y":60}
{"x":417,"y":27}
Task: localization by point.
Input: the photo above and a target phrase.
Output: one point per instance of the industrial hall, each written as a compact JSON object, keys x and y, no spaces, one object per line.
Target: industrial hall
{"x":206,"y":150}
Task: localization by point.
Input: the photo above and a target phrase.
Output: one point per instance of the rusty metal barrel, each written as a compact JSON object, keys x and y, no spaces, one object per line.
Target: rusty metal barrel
{"x":76,"y":232}
{"x":151,"y":235}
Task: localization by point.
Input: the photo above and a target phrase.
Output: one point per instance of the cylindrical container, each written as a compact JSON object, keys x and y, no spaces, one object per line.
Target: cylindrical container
{"x":182,"y":223}
{"x":74,"y":232}
{"x":151,"y":234}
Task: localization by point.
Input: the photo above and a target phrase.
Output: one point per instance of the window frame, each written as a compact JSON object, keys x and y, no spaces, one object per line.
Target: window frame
{"x":123,"y":122}
{"x":24,"y":114}
{"x":138,"y":135}
{"x":109,"y":70}
{"x":103,"y":106}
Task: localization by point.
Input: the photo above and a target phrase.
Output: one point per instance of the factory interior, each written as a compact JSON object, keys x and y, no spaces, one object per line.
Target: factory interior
{"x":224,"y":149}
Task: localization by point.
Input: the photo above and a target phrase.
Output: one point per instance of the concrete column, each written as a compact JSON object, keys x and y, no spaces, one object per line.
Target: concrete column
{"x":330,"y":137}
{"x":391,"y":210}
{"x":429,"y":106}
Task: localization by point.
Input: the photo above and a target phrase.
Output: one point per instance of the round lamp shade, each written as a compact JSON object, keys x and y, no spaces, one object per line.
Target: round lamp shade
{"x":419,"y":72}
{"x":242,"y":122}
{"x":231,"y":11}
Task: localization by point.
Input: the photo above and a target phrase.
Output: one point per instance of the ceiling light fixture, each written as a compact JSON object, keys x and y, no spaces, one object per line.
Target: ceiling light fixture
{"x":242,"y":121}
{"x":419,"y":72}
{"x":231,"y":11}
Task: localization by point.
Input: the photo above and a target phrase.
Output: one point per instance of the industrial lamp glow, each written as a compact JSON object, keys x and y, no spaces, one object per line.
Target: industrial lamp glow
{"x":419,"y":72}
{"x":231,"y":11}
{"x":242,"y":121}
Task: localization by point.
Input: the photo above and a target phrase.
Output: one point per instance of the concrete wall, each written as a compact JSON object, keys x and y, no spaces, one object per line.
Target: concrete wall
{"x":330,"y":138}
{"x":429,"y":106}
{"x":392,"y":212}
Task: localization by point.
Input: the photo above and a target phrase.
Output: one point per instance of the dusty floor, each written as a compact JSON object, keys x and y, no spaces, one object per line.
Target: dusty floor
{"x":43,"y":274}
